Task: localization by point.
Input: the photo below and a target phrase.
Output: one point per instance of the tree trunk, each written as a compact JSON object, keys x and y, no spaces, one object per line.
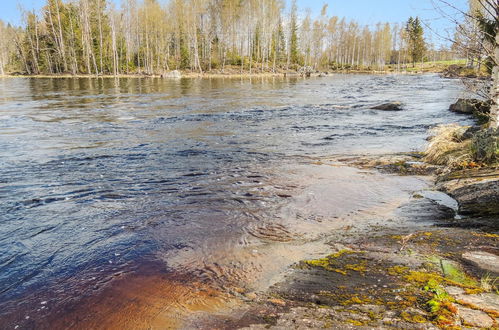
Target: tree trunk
{"x":494,"y":111}
{"x":61,"y":39}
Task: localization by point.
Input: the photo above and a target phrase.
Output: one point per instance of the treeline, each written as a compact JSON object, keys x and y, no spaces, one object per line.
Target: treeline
{"x":149,"y":37}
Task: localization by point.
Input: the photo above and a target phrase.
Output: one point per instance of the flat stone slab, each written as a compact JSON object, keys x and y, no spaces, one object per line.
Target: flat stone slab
{"x":475,"y":318}
{"x":454,"y":290}
{"x":483,"y":260}
{"x":485,"y":301}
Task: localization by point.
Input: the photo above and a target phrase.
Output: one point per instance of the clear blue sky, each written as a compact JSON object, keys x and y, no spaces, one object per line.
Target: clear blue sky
{"x":364,"y":11}
{"x":370,"y":12}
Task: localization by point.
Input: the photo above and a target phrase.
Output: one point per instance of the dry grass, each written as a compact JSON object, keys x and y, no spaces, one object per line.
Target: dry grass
{"x":447,"y":147}
{"x":489,"y":283}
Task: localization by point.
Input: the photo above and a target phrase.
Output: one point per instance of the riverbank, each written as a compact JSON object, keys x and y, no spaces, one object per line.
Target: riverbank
{"x":236,"y":72}
{"x":438,"y":268}
{"x":421,"y":267}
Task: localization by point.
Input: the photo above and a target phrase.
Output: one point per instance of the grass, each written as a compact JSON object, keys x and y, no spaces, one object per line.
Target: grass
{"x":451,"y":148}
{"x":489,"y":283}
{"x":450,"y":62}
{"x":447,"y":147}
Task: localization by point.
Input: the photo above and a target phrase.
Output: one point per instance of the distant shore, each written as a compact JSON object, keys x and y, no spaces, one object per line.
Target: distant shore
{"x":235,"y":72}
{"x":213,"y":75}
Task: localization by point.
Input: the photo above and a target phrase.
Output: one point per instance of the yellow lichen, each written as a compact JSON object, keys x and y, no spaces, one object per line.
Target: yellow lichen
{"x":339,"y":271}
{"x":474,"y":291}
{"x":355,"y":322}
{"x":419,"y":277}
{"x":397,"y":270}
{"x":329,"y":263}
{"x":341,"y":252}
{"x":358,"y":267}
{"x":356,"y":300}
{"x":413,"y":318}
{"x":488,"y":235}
{"x":491,"y":313}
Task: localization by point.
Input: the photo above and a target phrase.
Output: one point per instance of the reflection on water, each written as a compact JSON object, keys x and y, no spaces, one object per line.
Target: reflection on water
{"x":100,"y":175}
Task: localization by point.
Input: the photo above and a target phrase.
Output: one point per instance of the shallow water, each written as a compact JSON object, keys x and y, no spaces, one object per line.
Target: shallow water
{"x":99,"y":176}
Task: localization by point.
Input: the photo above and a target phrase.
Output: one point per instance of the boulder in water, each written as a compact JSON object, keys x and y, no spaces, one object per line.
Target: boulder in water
{"x":392,"y":106}
{"x":477,"y":192}
{"x":470,"y":106}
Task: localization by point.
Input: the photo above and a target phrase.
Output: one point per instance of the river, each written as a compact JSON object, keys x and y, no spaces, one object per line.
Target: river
{"x":100,"y":178}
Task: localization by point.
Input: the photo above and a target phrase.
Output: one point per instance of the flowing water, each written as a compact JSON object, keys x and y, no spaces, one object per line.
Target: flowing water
{"x":101,"y":177}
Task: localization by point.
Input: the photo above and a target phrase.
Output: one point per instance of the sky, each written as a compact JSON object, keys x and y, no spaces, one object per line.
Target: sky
{"x":370,"y":12}
{"x":365,"y":12}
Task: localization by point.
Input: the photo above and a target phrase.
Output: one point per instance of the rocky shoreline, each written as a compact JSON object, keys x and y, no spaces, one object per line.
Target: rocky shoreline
{"x":436,"y":269}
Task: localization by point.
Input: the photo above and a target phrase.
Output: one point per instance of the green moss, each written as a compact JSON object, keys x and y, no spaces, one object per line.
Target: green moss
{"x":440,"y":304}
{"x":455,"y":274}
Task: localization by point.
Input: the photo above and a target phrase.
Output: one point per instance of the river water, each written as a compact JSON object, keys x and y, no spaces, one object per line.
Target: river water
{"x":99,"y":177}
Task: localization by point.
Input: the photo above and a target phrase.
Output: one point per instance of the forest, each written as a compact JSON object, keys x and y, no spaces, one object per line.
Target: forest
{"x":151,"y":37}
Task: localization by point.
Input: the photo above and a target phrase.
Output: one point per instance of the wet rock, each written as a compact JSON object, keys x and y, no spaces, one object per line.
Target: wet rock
{"x":392,"y":106}
{"x":425,"y":210}
{"x":466,"y":106}
{"x":470,"y":106}
{"x":475,"y":196}
{"x":483,"y":260}
{"x":403,"y":164}
{"x":475,"y":318}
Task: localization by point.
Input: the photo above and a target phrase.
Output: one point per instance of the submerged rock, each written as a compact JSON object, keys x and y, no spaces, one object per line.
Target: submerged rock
{"x":392,"y":106}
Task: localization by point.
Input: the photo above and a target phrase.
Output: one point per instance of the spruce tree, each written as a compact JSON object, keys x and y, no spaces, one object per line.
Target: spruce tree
{"x":293,"y":47}
{"x":416,"y":42}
